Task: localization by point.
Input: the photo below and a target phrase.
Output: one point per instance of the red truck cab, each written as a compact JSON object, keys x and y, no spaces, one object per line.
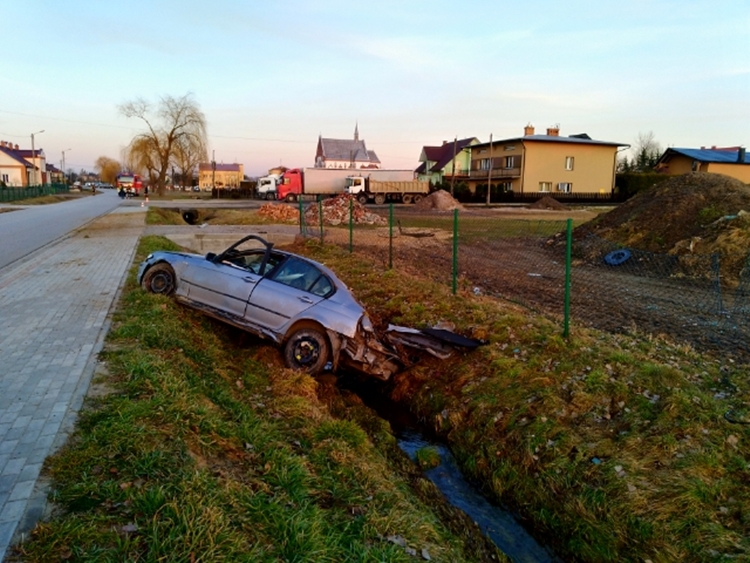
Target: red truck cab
{"x":290,"y":185}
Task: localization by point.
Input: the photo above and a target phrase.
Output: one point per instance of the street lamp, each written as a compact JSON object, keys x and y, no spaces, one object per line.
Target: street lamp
{"x":33,"y":155}
{"x":65,"y":177}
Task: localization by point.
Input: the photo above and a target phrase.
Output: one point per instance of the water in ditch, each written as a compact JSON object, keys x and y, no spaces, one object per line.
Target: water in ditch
{"x":495,"y":522}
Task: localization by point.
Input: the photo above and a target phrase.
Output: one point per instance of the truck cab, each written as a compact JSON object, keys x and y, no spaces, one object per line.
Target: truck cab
{"x":266,"y":187}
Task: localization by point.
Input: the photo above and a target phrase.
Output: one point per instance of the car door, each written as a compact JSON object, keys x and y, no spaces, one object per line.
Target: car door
{"x":223,"y":286}
{"x":290,"y":289}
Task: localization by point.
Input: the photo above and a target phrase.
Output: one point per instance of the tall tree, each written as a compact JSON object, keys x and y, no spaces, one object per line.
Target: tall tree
{"x":189,"y":152}
{"x":173,"y":121}
{"x":108,"y":169}
{"x":646,"y":152}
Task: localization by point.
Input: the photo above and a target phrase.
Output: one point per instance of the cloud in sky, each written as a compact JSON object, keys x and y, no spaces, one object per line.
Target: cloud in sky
{"x":272,"y":77}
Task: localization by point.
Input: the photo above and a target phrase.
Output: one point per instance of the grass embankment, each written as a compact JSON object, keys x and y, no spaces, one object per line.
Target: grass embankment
{"x":207,"y":449}
{"x":613,"y":448}
{"x":171,"y":216}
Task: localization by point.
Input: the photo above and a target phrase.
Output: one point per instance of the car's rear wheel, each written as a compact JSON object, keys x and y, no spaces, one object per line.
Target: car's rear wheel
{"x":379,"y":199}
{"x":270,"y":196}
{"x":307,"y":350}
{"x":160,"y":279}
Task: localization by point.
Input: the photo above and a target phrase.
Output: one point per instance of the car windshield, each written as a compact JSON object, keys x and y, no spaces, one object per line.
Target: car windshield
{"x":126,"y":179}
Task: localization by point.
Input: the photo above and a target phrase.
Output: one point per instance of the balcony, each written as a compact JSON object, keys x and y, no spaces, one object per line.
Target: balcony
{"x":497,"y":173}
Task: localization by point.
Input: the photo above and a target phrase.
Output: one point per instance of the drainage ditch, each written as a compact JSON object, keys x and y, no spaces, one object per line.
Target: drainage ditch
{"x":495,"y":522}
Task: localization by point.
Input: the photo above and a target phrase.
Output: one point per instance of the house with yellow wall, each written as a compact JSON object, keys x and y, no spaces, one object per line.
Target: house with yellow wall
{"x":545,"y":164}
{"x":731,"y":161}
{"x":217,"y":175}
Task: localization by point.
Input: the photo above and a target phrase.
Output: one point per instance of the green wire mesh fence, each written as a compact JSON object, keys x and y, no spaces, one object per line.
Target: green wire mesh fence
{"x":699,"y":299}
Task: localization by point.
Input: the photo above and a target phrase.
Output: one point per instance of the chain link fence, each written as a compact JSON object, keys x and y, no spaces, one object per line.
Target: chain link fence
{"x":11,"y":194}
{"x":699,"y":299}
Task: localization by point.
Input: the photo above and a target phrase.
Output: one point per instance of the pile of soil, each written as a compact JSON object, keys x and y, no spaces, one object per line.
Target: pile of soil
{"x":689,"y":215}
{"x":438,"y":201}
{"x":548,"y":202}
{"x":336,"y":212}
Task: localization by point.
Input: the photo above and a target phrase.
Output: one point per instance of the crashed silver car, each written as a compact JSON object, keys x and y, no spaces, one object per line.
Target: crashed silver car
{"x":296,"y":302}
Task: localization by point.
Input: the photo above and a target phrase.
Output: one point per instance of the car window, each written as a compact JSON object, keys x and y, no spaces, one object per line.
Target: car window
{"x":252,"y":261}
{"x":303,"y":275}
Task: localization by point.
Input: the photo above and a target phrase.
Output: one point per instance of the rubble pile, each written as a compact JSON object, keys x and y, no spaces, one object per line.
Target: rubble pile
{"x":279,"y":212}
{"x":438,"y":201}
{"x":336,"y":212}
{"x":548,"y":202}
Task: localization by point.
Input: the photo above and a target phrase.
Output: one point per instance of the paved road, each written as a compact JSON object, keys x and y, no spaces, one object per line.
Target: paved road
{"x":55,"y":308}
{"x":34,"y":226}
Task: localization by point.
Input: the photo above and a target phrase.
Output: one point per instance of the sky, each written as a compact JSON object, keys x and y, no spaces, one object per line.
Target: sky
{"x":270,"y":77}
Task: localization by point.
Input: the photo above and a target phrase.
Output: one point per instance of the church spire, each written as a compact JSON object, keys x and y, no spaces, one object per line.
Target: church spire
{"x":356,"y":131}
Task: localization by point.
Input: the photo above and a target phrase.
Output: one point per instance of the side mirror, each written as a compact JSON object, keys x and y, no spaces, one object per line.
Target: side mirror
{"x":211,"y":257}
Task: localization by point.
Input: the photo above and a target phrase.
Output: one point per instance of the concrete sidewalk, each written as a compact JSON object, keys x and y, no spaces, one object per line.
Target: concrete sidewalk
{"x":55,"y":310}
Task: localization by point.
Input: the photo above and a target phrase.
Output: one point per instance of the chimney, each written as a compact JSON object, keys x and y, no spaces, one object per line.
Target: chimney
{"x":16,"y":147}
{"x":528,"y":130}
{"x":553,"y":131}
{"x":2,"y":143}
{"x":741,"y":155}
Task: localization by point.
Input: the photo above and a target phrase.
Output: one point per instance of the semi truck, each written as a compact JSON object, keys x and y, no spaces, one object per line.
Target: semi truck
{"x":311,"y":183}
{"x":266,"y":186}
{"x":405,"y":191}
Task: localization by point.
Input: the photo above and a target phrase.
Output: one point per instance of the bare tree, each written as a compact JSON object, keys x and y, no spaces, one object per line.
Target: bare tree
{"x":108,"y":169}
{"x":189,"y":152}
{"x":646,"y":152}
{"x":172,"y":122}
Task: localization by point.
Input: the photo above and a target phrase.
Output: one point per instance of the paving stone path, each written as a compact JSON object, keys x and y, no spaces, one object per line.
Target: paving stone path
{"x":55,"y":311}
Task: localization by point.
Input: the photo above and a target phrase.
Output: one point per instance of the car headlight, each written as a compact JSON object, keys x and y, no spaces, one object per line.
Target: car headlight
{"x":366,"y":324}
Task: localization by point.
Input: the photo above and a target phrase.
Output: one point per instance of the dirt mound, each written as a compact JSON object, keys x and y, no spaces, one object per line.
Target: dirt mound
{"x":693,"y":214}
{"x":548,"y":202}
{"x":336,"y":212}
{"x":438,"y":201}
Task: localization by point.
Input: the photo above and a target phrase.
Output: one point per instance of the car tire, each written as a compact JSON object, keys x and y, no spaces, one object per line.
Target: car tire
{"x":270,"y":196}
{"x":306,"y":350}
{"x":160,"y":279}
{"x":379,"y":199}
{"x":362,"y":199}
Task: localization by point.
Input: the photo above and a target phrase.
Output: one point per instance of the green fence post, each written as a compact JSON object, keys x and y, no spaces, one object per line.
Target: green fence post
{"x":390,"y":237}
{"x":568,"y":254}
{"x":455,"y":251}
{"x":351,"y":226}
{"x":301,"y":219}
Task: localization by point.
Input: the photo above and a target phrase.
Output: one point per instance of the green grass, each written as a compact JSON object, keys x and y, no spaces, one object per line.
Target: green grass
{"x":208,"y":449}
{"x":615,"y":448}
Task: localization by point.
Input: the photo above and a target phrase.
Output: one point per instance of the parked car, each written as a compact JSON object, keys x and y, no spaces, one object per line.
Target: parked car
{"x":291,"y":300}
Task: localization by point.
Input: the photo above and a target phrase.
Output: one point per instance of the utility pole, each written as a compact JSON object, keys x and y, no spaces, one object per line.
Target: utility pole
{"x":65,"y":176}
{"x":489,"y":173}
{"x":213,"y":170}
{"x":453,"y":174}
{"x":33,"y":159}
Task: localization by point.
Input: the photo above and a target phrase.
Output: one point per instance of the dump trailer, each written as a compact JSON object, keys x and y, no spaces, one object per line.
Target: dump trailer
{"x":405,"y":191}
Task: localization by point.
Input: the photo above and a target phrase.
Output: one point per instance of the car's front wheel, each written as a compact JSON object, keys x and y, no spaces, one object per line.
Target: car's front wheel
{"x":160,"y":279}
{"x":307,"y":350}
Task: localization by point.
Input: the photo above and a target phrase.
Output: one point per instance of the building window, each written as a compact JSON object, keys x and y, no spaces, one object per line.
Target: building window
{"x":510,"y":147}
{"x":4,"y":179}
{"x":565,"y":187}
{"x":569,"y":162}
{"x":545,"y":187}
{"x":506,"y":187}
{"x":484,"y":164}
{"x":510,"y":162}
